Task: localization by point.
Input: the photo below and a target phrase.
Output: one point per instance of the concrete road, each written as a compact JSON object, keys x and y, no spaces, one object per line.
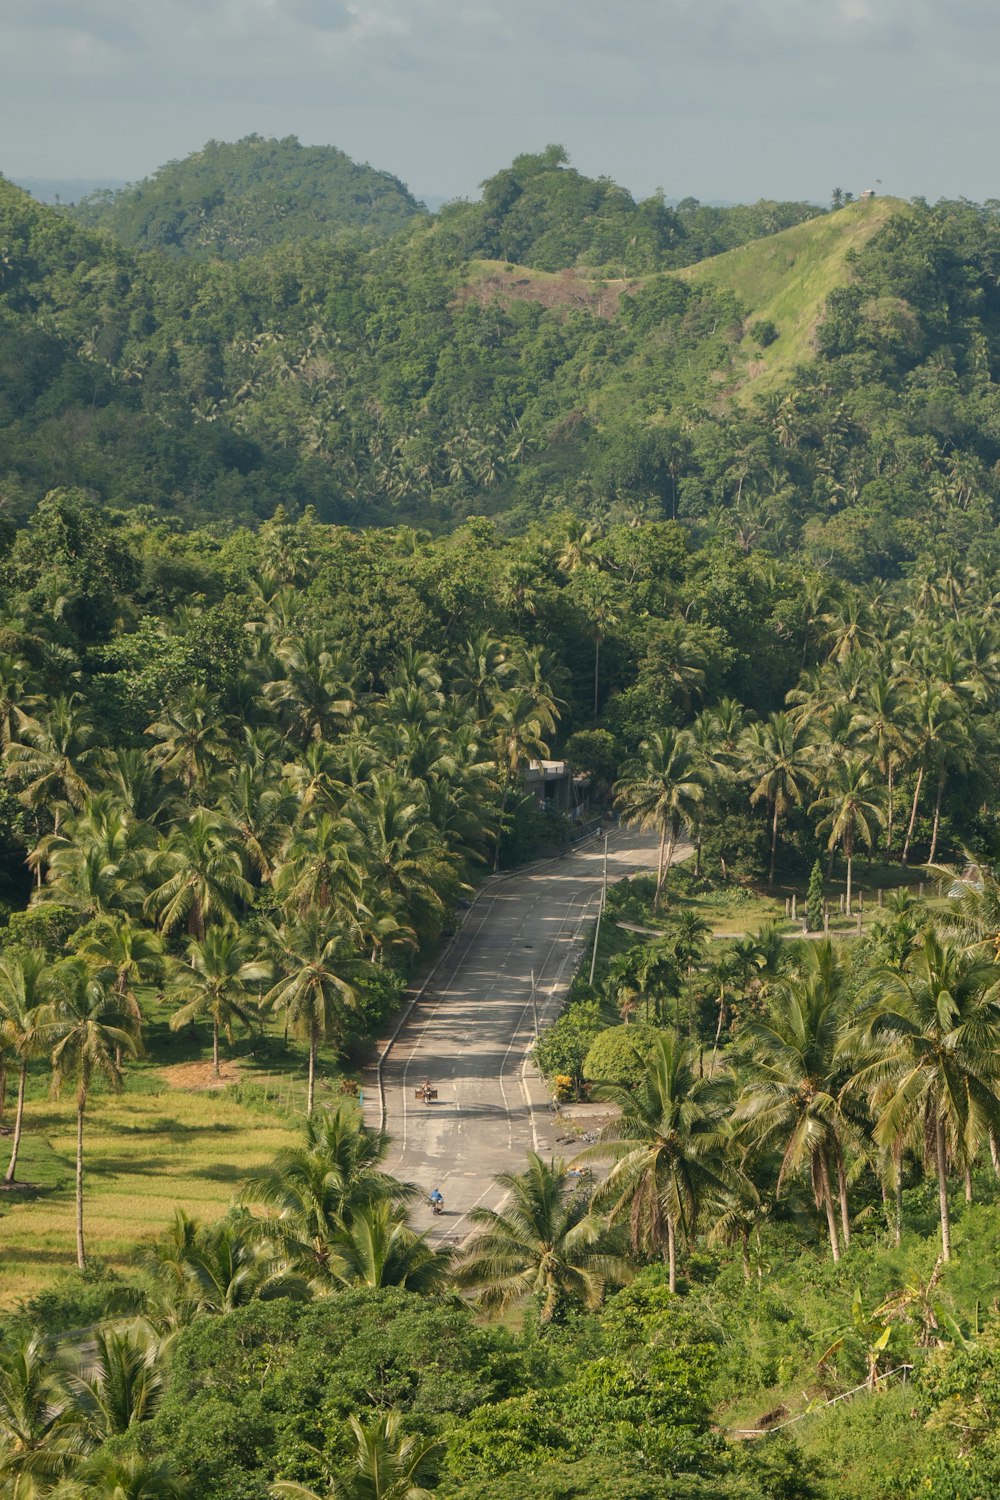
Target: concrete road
{"x":473,"y":1028}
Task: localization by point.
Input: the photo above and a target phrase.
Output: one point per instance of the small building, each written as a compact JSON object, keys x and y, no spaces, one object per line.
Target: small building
{"x":553,"y":784}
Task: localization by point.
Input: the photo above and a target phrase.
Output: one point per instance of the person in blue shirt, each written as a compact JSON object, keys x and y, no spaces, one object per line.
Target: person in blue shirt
{"x":437,"y":1202}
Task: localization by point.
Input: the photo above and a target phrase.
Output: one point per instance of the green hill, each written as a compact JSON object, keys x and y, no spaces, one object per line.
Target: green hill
{"x":237,"y":199}
{"x":784,"y":280}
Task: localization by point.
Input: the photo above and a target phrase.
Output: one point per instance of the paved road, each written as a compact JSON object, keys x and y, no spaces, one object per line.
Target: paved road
{"x":472,"y":1031}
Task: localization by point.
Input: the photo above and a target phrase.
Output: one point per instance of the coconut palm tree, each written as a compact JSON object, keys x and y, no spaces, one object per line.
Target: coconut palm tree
{"x":853,"y":806}
{"x":546,"y":1242}
{"x":51,"y":755}
{"x":312,"y":1191}
{"x":320,"y":867}
{"x":663,"y":789}
{"x":667,"y":1148}
{"x":123,"y":955}
{"x":118,"y":1382}
{"x":378,"y":1248}
{"x":386,"y":1465}
{"x":935,"y":1031}
{"x":217,"y":980}
{"x":779,"y":756}
{"x":794,"y":1075}
{"x":316,"y":695}
{"x":37,"y":1440}
{"x":191,"y":740}
{"x":107,"y":1475}
{"x":313,"y":957}
{"x":88,"y":1029}
{"x":25,"y":991}
{"x":199,"y":877}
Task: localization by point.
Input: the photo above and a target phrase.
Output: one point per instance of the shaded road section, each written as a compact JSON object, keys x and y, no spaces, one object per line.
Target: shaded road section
{"x":503,"y":977}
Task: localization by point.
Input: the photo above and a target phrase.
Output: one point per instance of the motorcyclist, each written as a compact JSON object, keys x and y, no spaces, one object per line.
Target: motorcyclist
{"x":437,"y":1202}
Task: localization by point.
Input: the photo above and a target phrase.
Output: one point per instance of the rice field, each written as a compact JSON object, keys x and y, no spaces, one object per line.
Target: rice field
{"x":166,"y":1142}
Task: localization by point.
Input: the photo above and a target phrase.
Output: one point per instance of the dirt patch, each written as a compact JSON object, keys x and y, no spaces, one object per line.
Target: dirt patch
{"x":566,"y":289}
{"x":583,"y":1122}
{"x":196,"y":1077}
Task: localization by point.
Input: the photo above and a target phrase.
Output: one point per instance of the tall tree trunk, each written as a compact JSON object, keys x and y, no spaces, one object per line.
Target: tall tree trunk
{"x":3,"y":1085}
{"x":774,"y":844}
{"x":937,"y":818}
{"x":81,"y":1105}
{"x":942,"y":1171}
{"x":845,"y":1217}
{"x":659,"y":868}
{"x":888,"y":820}
{"x":672,"y":1252}
{"x":849,"y":851}
{"x":995,"y":1154}
{"x":215,"y":1046}
{"x":831,"y":1218}
{"x":597,"y":672}
{"x":313,"y":1044}
{"x":913,"y":816}
{"x":898,"y":1230}
{"x":968,"y":1184}
{"x":18,"y":1119}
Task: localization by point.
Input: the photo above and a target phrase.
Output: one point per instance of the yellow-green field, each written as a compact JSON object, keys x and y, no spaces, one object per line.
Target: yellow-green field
{"x":165,"y":1142}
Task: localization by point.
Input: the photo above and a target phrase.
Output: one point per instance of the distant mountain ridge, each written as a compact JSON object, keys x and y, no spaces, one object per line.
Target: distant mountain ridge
{"x":234,"y":199}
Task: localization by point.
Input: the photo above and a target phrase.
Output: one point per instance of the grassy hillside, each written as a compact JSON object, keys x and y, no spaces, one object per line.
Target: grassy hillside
{"x":786,"y":279}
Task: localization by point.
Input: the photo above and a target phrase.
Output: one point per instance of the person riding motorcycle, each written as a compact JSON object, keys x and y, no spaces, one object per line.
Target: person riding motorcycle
{"x":437,"y":1202}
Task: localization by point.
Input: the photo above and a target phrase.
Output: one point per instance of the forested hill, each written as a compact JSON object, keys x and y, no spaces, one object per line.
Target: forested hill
{"x":828,"y":388}
{"x":236,"y":199}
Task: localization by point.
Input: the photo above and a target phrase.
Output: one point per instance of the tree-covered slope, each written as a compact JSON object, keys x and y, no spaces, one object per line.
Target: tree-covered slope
{"x":541,"y":213}
{"x":235,"y":199}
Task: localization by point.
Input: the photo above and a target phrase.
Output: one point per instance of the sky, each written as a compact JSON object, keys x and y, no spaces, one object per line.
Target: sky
{"x":720,"y":99}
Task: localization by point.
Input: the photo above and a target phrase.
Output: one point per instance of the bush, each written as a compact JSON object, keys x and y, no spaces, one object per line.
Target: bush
{"x":619,"y":1054}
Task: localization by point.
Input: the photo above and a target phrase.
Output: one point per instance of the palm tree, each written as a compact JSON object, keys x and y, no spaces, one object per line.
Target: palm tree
{"x":199,"y":875}
{"x":320,"y":868}
{"x":216,"y":981}
{"x":852,"y":807}
{"x":668,"y":1148}
{"x":378,"y":1248}
{"x":880,"y":723}
{"x":107,"y":1475}
{"x":400,"y":851}
{"x":385,"y":1467}
{"x":936,"y":1035}
{"x":197,"y":1269}
{"x":314,"y":1190}
{"x":118,"y":1382}
{"x":89,"y":1030}
{"x":794,"y":1076}
{"x":51,"y":754}
{"x":779,"y":756}
{"x":312,"y":957}
{"x":316,"y":695}
{"x":123,"y":955}
{"x":547,"y":1242}
{"x":663,"y":790}
{"x":25,"y":989}
{"x":38,"y":1440}
{"x":191,"y":742}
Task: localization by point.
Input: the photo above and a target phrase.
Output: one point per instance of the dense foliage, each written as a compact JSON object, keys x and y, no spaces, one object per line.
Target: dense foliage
{"x":235,"y":200}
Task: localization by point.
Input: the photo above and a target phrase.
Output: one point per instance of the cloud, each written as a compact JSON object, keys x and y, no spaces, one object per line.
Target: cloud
{"x":730,"y":89}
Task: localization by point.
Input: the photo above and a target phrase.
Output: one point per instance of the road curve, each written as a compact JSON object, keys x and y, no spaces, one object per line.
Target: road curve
{"x":473,"y":1027}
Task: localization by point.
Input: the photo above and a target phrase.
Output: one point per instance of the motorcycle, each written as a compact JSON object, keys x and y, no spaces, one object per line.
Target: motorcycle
{"x":437,"y":1205}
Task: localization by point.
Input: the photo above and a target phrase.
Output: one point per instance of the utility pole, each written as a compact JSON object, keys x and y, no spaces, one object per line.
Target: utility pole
{"x":600,"y":911}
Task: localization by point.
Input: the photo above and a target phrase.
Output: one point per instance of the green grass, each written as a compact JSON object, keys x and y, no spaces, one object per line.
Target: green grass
{"x":149,"y":1150}
{"x":733,"y":910}
{"x":786,"y":279}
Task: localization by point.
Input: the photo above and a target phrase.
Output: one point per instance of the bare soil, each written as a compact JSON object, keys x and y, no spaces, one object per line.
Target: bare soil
{"x":196,"y":1077}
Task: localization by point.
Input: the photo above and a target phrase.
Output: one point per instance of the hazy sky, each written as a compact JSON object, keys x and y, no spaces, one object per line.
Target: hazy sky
{"x":718,"y":98}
